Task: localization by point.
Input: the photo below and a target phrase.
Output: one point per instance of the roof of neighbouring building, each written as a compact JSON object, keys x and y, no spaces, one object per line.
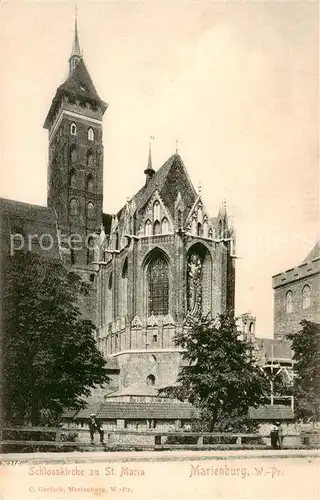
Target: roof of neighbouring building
{"x":275,"y":412}
{"x":276,"y":349}
{"x":314,"y":254}
{"x":132,"y":411}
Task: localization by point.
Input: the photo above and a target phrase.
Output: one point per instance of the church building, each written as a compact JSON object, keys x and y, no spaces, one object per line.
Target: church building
{"x":155,"y":265}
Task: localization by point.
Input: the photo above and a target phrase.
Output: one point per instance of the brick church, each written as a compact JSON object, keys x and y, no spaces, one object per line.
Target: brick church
{"x":158,"y":262}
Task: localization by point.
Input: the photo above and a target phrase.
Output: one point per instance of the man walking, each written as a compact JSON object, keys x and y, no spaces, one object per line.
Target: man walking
{"x":95,"y":425}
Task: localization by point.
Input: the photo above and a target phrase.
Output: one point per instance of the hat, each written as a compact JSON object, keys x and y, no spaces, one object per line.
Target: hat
{"x":92,"y":414}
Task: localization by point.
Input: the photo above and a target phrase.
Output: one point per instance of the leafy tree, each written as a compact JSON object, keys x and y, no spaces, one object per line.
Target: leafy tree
{"x":221,"y":377}
{"x":306,"y":382}
{"x":50,"y":358}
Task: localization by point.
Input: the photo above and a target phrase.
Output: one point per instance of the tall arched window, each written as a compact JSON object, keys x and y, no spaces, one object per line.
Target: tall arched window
{"x":179,"y":218}
{"x":306,"y":297}
{"x":158,"y":286}
{"x":90,"y":210}
{"x":73,"y":207}
{"x":90,"y":134}
{"x":251,"y":327}
{"x":89,"y":159}
{"x":90,"y":252}
{"x":156,"y":211}
{"x":199,"y":229}
{"x":89,"y":183}
{"x":289,"y":302}
{"x":73,"y":179}
{"x":165,"y":226}
{"x":157,"y":228}
{"x":73,"y":153}
{"x":124,"y":288}
{"x":148,"y":228}
{"x":109,"y":305}
{"x":73,"y":129}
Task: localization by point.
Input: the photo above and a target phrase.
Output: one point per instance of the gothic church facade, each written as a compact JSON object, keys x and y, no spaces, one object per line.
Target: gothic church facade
{"x":159,"y":262}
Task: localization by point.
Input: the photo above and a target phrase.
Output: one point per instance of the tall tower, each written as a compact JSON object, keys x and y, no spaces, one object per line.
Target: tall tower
{"x":75,"y":163}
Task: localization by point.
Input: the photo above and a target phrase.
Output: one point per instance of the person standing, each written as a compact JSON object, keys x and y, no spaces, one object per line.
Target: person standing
{"x":95,"y":425}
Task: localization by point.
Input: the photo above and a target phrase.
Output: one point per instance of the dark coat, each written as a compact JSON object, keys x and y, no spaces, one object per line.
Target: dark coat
{"x":95,"y":424}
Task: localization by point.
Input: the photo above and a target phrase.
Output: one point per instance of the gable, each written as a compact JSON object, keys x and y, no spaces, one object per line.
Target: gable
{"x":151,"y":215}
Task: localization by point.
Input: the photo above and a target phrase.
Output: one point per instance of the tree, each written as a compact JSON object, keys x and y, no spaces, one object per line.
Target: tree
{"x":222,"y":377}
{"x":306,"y":382}
{"x":50,"y":358}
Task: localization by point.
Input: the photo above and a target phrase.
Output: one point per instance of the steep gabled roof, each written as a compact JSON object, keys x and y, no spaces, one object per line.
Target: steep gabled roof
{"x":171,"y":178}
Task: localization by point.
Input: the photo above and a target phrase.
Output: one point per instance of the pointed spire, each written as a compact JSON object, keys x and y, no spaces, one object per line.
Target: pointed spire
{"x":76,"y":54}
{"x":149,"y":171}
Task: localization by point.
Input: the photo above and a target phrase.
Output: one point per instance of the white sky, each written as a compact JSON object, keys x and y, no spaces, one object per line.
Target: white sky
{"x":235,"y":82}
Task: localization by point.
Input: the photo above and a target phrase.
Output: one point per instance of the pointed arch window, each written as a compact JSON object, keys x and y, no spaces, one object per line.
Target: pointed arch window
{"x":73,"y":153}
{"x":89,"y":159}
{"x":199,"y":229}
{"x":289,"y":302}
{"x":150,"y":380}
{"x":158,"y":286}
{"x":89,"y":183}
{"x":306,"y":297}
{"x":73,"y":129}
{"x":165,"y":225}
{"x":73,"y":179}
{"x":156,"y":228}
{"x":90,"y":134}
{"x":73,"y":207}
{"x":148,"y":228}
{"x":156,"y":211}
{"x":124,"y":288}
{"x":90,"y":210}
{"x":179,"y":218}
{"x":90,"y":252}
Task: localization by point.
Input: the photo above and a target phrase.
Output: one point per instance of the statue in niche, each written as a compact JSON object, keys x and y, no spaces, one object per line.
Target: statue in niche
{"x":194,"y":285}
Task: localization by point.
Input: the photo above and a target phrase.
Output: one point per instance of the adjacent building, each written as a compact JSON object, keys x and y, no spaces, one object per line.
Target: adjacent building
{"x":297,"y":295}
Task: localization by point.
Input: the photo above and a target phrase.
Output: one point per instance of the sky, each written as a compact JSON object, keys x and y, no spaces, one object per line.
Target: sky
{"x":237,"y":83}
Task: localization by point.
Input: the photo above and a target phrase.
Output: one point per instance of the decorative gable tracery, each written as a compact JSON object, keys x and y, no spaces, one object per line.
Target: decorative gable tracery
{"x":198,"y":222}
{"x":156,"y":220}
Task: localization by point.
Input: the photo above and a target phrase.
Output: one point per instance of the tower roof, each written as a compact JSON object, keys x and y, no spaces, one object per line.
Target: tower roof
{"x":77,"y":85}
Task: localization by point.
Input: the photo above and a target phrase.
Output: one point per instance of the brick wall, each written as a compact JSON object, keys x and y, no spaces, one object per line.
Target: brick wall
{"x":288,"y":322}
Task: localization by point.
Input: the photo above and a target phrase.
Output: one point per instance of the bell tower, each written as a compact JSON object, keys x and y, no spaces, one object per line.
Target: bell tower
{"x":75,"y":160}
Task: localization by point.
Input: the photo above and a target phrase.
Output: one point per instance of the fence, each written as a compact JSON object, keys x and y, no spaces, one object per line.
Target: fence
{"x":54,"y":437}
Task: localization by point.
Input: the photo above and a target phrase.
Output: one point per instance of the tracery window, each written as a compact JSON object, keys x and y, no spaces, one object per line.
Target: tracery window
{"x":289,"y":302}
{"x":148,"y":228}
{"x":156,"y":211}
{"x":165,"y":225}
{"x":306,"y":297}
{"x":156,"y":228}
{"x":158,"y":286}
